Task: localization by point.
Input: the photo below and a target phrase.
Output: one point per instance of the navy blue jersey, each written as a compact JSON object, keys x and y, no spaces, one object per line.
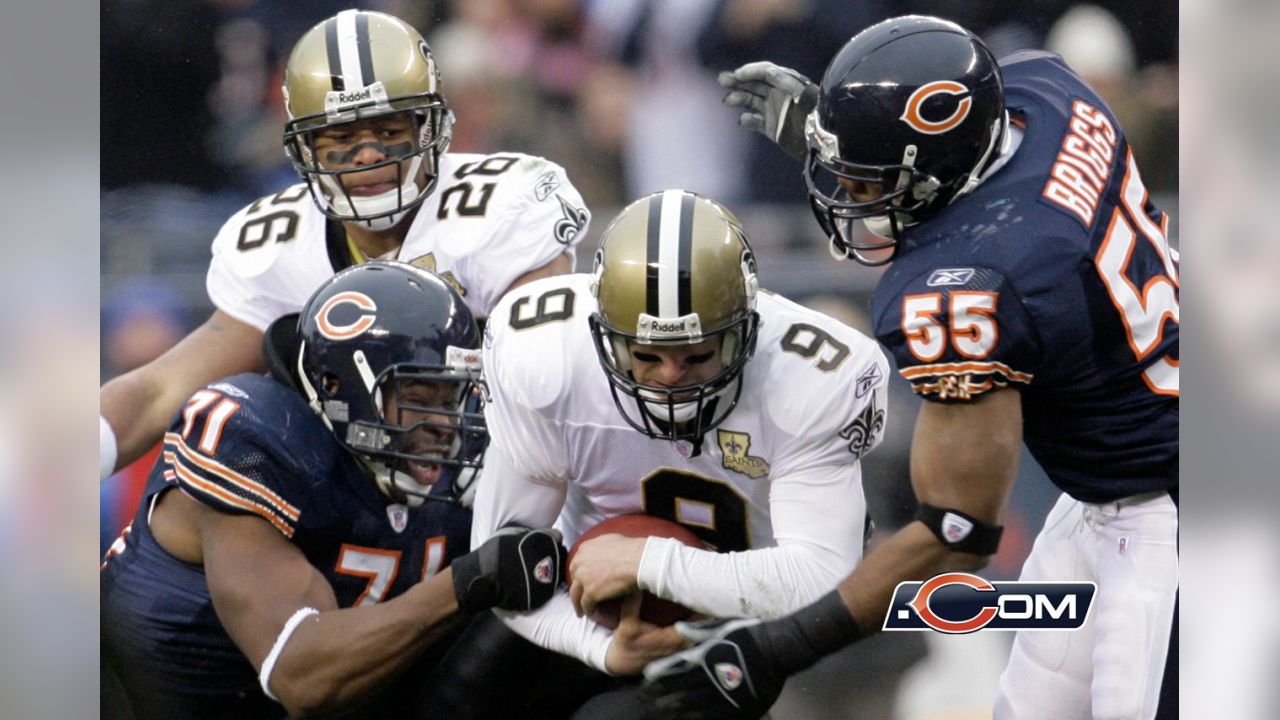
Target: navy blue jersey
{"x":1054,"y":277}
{"x":250,"y":445}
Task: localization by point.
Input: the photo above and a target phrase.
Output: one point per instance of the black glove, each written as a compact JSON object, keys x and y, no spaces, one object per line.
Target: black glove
{"x":777,"y":100}
{"x":516,"y":569}
{"x":726,"y":675}
{"x":739,"y":666}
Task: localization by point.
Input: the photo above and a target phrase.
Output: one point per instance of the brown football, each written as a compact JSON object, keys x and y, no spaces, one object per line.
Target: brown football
{"x":653,"y":609}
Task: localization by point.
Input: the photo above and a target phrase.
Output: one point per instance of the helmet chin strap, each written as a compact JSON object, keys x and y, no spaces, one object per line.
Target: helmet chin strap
{"x":398,"y":486}
{"x":1003,"y":143}
{"x":881,"y":226}
{"x":839,"y":251}
{"x":363,"y":207}
{"x":889,"y":225}
{"x":685,"y":411}
{"x":680,"y":412}
{"x":386,"y":222}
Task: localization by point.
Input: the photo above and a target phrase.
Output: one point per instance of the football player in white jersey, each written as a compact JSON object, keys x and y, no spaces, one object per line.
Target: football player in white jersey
{"x":368,"y":131}
{"x":665,"y":383}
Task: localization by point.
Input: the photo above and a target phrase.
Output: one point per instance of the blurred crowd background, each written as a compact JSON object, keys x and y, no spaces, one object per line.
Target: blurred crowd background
{"x":185,"y":92}
{"x":622,"y":93}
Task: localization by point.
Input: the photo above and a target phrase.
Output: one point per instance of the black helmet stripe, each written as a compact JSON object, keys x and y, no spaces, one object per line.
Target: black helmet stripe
{"x":685,"y":254}
{"x":651,"y":255}
{"x":350,"y":54}
{"x":331,"y":49}
{"x":669,"y":254}
{"x":364,"y":47}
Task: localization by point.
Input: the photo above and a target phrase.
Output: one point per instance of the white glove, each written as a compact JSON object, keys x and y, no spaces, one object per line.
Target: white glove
{"x":777,"y":101}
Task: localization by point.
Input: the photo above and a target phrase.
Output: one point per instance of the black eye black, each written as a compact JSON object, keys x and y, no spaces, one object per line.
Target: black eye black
{"x":700,"y":358}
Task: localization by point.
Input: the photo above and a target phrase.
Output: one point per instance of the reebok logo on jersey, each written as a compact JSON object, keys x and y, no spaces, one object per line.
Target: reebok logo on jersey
{"x":867,"y":380}
{"x":229,"y":389}
{"x":950,"y":276}
{"x":546,"y":185}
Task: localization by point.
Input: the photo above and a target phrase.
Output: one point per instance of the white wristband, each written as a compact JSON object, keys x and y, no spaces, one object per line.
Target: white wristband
{"x":264,"y":676}
{"x":106,"y":449}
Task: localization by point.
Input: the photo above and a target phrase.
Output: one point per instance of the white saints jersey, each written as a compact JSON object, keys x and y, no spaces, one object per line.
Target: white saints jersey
{"x":778,"y":477}
{"x":489,"y":220}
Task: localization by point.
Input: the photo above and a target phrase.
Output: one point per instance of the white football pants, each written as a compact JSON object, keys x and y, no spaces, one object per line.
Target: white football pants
{"x":1111,"y":667}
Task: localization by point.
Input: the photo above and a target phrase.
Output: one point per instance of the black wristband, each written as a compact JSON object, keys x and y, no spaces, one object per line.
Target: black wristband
{"x":809,"y":634}
{"x":473,"y":591}
{"x":959,"y":531}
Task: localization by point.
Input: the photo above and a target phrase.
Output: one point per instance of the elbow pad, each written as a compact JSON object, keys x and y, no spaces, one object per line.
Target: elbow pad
{"x":960,"y":532}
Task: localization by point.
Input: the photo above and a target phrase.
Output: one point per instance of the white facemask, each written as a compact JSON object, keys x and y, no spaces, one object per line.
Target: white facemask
{"x":657,"y":407}
{"x":375,"y":204}
{"x":683,"y":412}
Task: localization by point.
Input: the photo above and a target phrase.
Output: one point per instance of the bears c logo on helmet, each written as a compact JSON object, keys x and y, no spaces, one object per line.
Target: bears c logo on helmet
{"x":916,"y":119}
{"x":364,"y":321}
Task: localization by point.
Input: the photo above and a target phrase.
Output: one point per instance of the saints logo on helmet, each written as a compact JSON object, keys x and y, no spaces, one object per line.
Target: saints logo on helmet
{"x":353,"y":67}
{"x":910,"y":114}
{"x":399,"y":393}
{"x":674,"y":269}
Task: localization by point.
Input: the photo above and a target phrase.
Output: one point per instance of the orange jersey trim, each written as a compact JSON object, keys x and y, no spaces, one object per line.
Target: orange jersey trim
{"x":222,"y":471}
{"x":965,"y":367}
{"x":217,"y":492}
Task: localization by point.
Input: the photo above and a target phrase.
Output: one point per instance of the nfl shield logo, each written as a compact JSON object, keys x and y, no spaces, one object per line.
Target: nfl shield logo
{"x":399,"y":517}
{"x":542,"y":571}
{"x":729,"y":675}
{"x":955,"y":528}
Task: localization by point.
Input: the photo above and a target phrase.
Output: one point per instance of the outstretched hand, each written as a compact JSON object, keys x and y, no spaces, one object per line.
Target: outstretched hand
{"x":776,"y":99}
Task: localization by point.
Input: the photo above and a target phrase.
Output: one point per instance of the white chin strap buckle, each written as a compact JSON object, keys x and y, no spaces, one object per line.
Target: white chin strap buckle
{"x":836,"y":252}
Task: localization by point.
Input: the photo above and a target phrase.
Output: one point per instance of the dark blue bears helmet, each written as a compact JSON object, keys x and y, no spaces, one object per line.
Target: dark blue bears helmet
{"x":390,"y":359}
{"x":910,"y":112}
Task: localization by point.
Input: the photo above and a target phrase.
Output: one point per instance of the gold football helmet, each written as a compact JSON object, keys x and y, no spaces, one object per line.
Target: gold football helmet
{"x":354,"y":66}
{"x":674,"y":268}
